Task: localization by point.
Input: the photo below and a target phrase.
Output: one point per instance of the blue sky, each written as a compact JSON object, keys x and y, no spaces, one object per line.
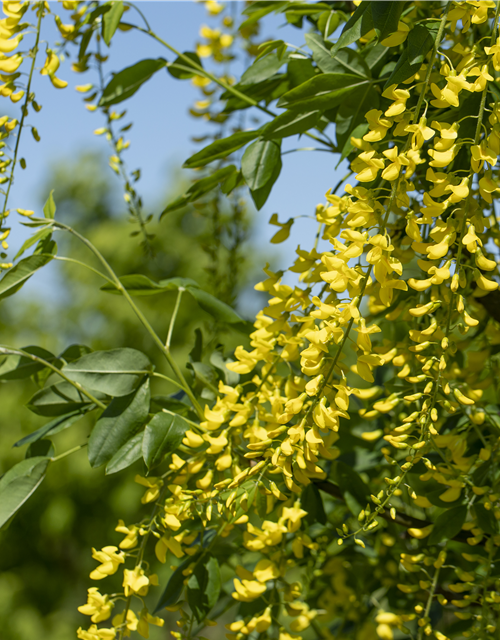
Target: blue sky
{"x":160,"y":137}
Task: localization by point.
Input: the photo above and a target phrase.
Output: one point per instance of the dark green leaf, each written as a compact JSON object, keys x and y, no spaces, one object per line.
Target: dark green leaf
{"x":73,"y":352}
{"x":434,"y":498}
{"x":18,"y":367}
{"x":486,"y":520}
{"x":216,"y":308}
{"x":111,"y":20}
{"x":358,"y":25}
{"x":54,"y":426}
{"x":350,"y":481}
{"x":325,"y":91}
{"x":218,"y":360}
{"x":290,"y":123}
{"x":351,"y":114}
{"x":57,"y":400}
{"x":175,"y":585}
{"x":260,"y":196}
{"x":49,"y":208}
{"x":40,"y":448}
{"x":183,"y":69}
{"x":299,"y":71}
{"x":420,"y":41}
{"x":163,"y":434}
{"x":125,"y":83}
{"x":312,"y":502}
{"x":120,"y":421}
{"x":14,"y":278}
{"x":345,"y":61}
{"x":200,"y":188}
{"x":221,"y":148}
{"x":386,"y":17}
{"x":129,"y":453}
{"x":203,"y":587}
{"x":116,"y":372}
{"x":259,"y":161}
{"x":263,"y":69}
{"x":17,"y":485}
{"x":448,"y":524}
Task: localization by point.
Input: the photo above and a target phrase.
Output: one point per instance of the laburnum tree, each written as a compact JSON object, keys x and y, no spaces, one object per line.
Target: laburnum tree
{"x":337,"y":475}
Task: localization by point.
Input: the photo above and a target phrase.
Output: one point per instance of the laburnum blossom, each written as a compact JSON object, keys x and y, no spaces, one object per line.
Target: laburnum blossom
{"x":98,"y":606}
{"x":369,"y":376}
{"x":110,"y":559}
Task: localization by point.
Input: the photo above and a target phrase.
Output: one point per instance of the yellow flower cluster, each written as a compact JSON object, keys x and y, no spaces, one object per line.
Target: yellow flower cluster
{"x":389,"y":328}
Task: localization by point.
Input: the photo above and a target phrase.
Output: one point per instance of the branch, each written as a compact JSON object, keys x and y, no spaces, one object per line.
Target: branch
{"x":401,"y":518}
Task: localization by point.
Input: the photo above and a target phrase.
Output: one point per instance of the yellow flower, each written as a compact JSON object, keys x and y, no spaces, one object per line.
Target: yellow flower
{"x":379,"y":126}
{"x":247,"y":590}
{"x":145,"y":620}
{"x":400,"y":96}
{"x":154,"y":486}
{"x":366,"y":166}
{"x":391,"y":172}
{"x":398,"y":37}
{"x":137,"y":582}
{"x":421,"y":133}
{"x":495,"y":52}
{"x":131,"y":533}
{"x":98,"y":606}
{"x":109,"y":559}
{"x":96,"y":634}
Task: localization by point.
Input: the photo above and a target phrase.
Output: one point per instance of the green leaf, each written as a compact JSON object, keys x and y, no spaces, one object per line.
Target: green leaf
{"x":171,"y":284}
{"x":17,"y":485}
{"x":386,"y":17}
{"x":351,"y":114}
{"x":49,"y":208}
{"x":111,"y":20}
{"x":312,"y":502}
{"x":15,"y":277}
{"x":345,"y":61}
{"x":200,"y":188}
{"x":350,"y":481}
{"x":216,"y":308}
{"x":129,"y":453}
{"x":182,"y":69}
{"x":51,"y":428}
{"x":125,"y":83}
{"x":263,"y":69}
{"x":57,"y":400}
{"x":290,"y":123}
{"x":259,"y":161}
{"x":73,"y":352}
{"x":420,"y":41}
{"x":121,"y":420}
{"x":325,"y":91}
{"x":116,"y":372}
{"x":486,"y":520}
{"x":203,"y":587}
{"x":17,"y":367}
{"x":163,"y":434}
{"x":175,"y":585}
{"x":39,"y":235}
{"x":41,"y":448}
{"x":220,"y":148}
{"x":357,"y":26}
{"x":448,"y":524}
{"x":260,"y":196}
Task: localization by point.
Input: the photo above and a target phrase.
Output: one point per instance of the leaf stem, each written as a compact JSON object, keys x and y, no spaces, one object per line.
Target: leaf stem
{"x":174,"y":316}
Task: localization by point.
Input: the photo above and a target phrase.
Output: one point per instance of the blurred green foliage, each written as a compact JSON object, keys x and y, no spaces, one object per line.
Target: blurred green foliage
{"x":43,"y":577}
